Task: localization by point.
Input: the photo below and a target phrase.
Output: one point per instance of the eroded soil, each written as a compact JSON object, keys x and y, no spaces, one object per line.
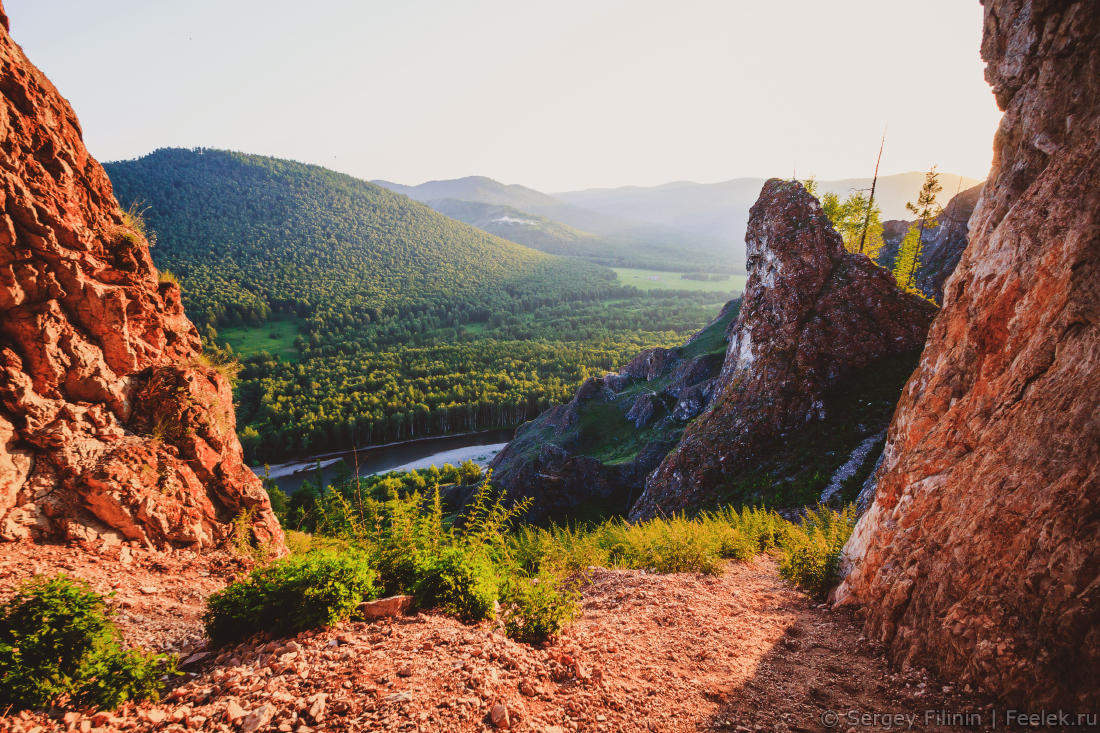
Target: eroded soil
{"x":740,"y":652}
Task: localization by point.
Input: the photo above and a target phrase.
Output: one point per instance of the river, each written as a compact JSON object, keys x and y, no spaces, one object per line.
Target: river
{"x":454,"y":449}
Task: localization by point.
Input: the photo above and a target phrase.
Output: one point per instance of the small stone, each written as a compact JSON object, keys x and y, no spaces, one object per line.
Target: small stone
{"x":156,"y":715}
{"x":99,"y":719}
{"x":317,"y":706}
{"x":234,"y":712}
{"x":526,"y":688}
{"x":148,"y":590}
{"x":498,"y":714}
{"x":405,"y":671}
{"x":258,"y":718}
{"x":399,"y":697}
{"x":194,"y":659}
{"x":386,"y":607}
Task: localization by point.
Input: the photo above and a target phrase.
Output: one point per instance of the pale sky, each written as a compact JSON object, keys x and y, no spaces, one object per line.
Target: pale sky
{"x":558,"y":96}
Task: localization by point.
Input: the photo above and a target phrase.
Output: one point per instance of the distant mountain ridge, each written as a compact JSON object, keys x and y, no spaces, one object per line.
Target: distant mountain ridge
{"x":625,"y":241}
{"x":721,"y":210}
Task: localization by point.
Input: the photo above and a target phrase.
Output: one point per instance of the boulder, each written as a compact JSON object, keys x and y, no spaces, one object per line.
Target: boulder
{"x":650,"y":364}
{"x":979,"y":557}
{"x":693,"y":400}
{"x":691,"y":372}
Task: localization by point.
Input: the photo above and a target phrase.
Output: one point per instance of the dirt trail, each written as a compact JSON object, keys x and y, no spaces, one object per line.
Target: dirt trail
{"x":740,"y":652}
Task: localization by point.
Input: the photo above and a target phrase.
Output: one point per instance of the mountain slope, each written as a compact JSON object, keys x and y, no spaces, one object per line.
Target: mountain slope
{"x":626,"y":241}
{"x":250,"y":236}
{"x":530,"y":230}
{"x":390,"y":321}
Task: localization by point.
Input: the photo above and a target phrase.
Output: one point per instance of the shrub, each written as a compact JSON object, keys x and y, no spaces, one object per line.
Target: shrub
{"x":134,"y":220}
{"x":59,"y":646}
{"x":298,"y":543}
{"x":811,"y":552}
{"x":536,"y":609}
{"x":462,"y":581}
{"x":562,"y":549}
{"x":676,"y":545}
{"x":287,"y":596}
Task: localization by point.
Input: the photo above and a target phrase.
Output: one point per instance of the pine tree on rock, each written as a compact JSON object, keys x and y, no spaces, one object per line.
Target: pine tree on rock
{"x":927,"y":209}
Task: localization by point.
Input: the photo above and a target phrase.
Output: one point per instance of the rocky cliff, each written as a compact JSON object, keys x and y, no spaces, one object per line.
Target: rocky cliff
{"x":112,"y":427}
{"x":980,"y":555}
{"x":589,"y":458}
{"x":943,"y":244}
{"x":811,"y":314}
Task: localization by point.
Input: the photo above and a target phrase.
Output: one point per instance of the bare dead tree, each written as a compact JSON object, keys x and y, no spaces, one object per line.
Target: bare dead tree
{"x":871,"y":203}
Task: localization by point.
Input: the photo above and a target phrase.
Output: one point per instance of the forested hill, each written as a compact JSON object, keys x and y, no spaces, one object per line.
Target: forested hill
{"x":250,"y":236}
{"x":364,"y":317}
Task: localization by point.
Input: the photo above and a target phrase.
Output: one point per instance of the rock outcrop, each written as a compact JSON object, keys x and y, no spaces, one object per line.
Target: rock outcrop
{"x":590,"y":457}
{"x":811,"y":313}
{"x":943,"y":244}
{"x":980,"y":555}
{"x":111,"y":428}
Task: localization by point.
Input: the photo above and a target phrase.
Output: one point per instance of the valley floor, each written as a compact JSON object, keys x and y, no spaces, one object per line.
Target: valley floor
{"x":742,"y":652}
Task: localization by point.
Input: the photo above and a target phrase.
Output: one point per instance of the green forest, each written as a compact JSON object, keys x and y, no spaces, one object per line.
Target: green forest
{"x":500,"y":374}
{"x":250,"y":237}
{"x":364,"y":317}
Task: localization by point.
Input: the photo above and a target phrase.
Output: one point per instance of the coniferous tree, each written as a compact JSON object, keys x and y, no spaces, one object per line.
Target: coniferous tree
{"x":908,"y":259}
{"x":856,"y":219}
{"x":927,"y":209}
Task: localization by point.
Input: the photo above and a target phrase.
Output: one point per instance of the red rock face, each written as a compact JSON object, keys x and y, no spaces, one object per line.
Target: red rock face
{"x":980,"y":555}
{"x":111,"y":427}
{"x":811,"y":312}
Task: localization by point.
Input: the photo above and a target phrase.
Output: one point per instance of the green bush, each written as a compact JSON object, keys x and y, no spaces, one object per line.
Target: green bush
{"x":536,"y":609}
{"x":461,"y":581}
{"x":562,"y":549}
{"x":287,"y":596}
{"x":58,"y":645}
{"x":811,"y":552}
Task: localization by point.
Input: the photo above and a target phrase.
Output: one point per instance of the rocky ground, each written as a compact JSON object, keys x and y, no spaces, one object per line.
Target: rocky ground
{"x":741,"y":652}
